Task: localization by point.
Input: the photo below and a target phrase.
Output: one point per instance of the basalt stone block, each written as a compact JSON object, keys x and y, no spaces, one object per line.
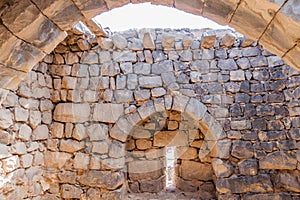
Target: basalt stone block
{"x":278,"y":160}
{"x":153,"y":186}
{"x":150,"y":81}
{"x":258,"y":61}
{"x":276,"y":196}
{"x":242,"y":149}
{"x":103,"y":179}
{"x":248,"y":167}
{"x":243,"y":184}
{"x":287,"y":181}
{"x":191,"y":170}
{"x":228,"y":64}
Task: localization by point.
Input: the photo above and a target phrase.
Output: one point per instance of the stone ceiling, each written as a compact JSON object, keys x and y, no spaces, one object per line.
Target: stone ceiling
{"x":31,"y":29}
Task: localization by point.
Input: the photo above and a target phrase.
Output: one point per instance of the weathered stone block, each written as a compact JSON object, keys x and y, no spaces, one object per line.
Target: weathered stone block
{"x":11,"y":163}
{"x":103,"y":179}
{"x":248,"y":167}
{"x":153,"y":186}
{"x":91,"y":8}
{"x":278,"y":160}
{"x":124,"y":56}
{"x":81,"y":161}
{"x":107,"y":112}
{"x":113,"y":163}
{"x":191,"y":170}
{"x":287,"y":181}
{"x":5,"y":151}
{"x":6,"y":118}
{"x":145,"y":169}
{"x":196,"y":108}
{"x":168,"y":41}
{"x":150,"y":81}
{"x":27,"y":20}
{"x":56,"y":159}
{"x":221,"y":168}
{"x":193,"y":6}
{"x":148,"y":41}
{"x":70,"y":191}
{"x":68,"y":112}
{"x":40,"y":133}
{"x":255,"y":184}
{"x":276,"y":196}
{"x":70,"y":146}
{"x":170,"y":138}
{"x":100,"y":147}
{"x":242,"y":149}
{"x":228,"y":64}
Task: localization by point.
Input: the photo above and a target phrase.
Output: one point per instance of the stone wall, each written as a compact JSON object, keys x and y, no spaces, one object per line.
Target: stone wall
{"x":65,"y":131}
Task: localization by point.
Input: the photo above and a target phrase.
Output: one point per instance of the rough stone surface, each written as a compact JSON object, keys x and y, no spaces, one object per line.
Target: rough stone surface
{"x":107,"y":112}
{"x":86,"y":112}
{"x":255,"y":184}
{"x":68,"y":112}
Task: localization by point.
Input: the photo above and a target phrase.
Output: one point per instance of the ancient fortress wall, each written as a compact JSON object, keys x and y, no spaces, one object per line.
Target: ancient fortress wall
{"x":89,"y":117}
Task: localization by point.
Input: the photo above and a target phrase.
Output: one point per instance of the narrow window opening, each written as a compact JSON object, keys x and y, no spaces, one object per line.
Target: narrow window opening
{"x":170,"y":168}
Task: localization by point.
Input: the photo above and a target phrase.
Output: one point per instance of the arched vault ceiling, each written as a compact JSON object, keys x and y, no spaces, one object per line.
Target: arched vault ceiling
{"x":30,"y":29}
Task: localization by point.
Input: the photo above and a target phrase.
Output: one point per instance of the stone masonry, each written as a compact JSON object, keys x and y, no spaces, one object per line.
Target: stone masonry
{"x":90,"y":115}
{"x":33,"y":28}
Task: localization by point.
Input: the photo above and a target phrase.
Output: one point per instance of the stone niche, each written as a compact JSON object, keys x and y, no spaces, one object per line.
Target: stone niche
{"x":95,"y":121}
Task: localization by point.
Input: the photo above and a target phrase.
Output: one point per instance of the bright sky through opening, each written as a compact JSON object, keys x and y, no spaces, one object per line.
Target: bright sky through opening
{"x":146,"y":15}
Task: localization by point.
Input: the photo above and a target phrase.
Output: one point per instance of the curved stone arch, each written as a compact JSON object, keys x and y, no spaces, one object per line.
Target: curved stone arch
{"x":268,"y":21}
{"x":208,"y":125}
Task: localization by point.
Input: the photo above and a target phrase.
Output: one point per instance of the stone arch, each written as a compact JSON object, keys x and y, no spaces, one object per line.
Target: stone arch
{"x":270,"y":21}
{"x":212,"y":129}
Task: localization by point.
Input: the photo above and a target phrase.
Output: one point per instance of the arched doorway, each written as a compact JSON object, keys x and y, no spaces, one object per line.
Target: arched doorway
{"x":162,"y":158}
{"x":187,"y":127}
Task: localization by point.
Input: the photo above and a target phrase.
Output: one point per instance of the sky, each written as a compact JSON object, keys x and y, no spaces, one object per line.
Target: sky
{"x":146,"y":15}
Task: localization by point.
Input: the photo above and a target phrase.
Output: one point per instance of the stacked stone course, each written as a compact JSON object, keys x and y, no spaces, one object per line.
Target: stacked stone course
{"x":65,"y":129}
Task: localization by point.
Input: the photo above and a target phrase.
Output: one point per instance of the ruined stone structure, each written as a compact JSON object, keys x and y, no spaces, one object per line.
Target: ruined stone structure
{"x":93,"y":121}
{"x":33,"y":28}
